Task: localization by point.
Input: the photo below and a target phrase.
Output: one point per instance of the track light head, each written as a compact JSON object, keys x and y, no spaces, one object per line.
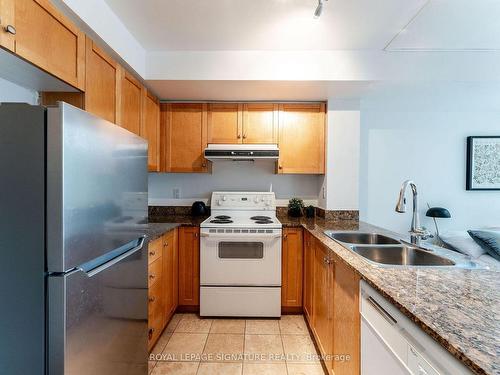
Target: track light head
{"x":319,"y":9}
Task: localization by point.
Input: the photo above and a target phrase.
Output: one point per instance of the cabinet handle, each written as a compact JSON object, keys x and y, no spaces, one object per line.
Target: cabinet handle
{"x":152,"y":253}
{"x":285,"y":236}
{"x":151,"y":299}
{"x":239,"y":136}
{"x":152,"y":276}
{"x":165,"y":244}
{"x":204,"y":165}
{"x":196,"y":235}
{"x":244,"y":136}
{"x":10,"y":29}
{"x":382,"y":311}
{"x":280,"y":166}
{"x":150,"y":333}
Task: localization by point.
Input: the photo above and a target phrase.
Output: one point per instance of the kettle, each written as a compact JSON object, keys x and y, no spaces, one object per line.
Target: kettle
{"x":199,"y":209}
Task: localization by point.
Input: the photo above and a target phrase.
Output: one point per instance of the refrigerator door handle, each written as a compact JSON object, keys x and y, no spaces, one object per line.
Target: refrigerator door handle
{"x":115,"y":260}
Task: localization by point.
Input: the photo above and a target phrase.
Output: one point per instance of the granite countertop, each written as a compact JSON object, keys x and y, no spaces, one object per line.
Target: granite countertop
{"x":459,"y":308}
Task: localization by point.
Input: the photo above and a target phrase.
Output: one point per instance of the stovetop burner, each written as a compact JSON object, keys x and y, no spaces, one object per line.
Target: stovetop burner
{"x":221,"y":221}
{"x":260,"y":218}
{"x":222,"y":217}
{"x":263,"y":222}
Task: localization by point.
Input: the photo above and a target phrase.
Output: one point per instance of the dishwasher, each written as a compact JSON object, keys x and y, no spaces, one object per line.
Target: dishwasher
{"x":392,"y":344}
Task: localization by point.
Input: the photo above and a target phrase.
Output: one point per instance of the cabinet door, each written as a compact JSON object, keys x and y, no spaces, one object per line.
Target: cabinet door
{"x":189,"y":266}
{"x":260,"y":123}
{"x":184,"y":137}
{"x":151,"y":130}
{"x":7,"y":21}
{"x":291,"y":270}
{"x":302,"y":138}
{"x":102,"y":83}
{"x":225,"y":123}
{"x":130,"y":103}
{"x":347,"y":321}
{"x":169,"y":272}
{"x":322,"y":302}
{"x":309,"y":244}
{"x":48,"y":40}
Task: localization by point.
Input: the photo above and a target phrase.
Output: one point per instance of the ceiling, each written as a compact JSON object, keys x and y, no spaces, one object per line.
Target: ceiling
{"x":264,"y":24}
{"x":452,"y":25}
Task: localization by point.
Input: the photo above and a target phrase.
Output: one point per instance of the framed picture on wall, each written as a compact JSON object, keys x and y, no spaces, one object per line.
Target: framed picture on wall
{"x":483,"y":163}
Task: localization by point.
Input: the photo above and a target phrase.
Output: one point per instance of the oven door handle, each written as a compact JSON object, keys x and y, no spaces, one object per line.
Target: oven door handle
{"x":243,"y":235}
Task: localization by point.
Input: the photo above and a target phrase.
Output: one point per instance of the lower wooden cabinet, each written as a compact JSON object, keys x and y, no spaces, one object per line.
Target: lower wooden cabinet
{"x":162,"y":284}
{"x":156,"y":301}
{"x":309,"y":244}
{"x":322,"y":306}
{"x":331,"y":307}
{"x":291,"y":269}
{"x":170,"y":272}
{"x":189,"y":266}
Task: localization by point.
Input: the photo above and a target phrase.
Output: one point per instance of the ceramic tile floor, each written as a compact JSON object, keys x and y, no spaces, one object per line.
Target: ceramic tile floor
{"x":191,"y":345}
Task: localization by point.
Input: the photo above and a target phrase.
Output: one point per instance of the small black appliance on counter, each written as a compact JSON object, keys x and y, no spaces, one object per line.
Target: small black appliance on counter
{"x":199,"y":209}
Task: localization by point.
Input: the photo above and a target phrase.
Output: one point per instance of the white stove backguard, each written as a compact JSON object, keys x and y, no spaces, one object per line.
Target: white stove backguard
{"x":222,"y":202}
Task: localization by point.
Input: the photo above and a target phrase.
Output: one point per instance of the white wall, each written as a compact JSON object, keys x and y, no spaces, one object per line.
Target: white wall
{"x":10,"y":92}
{"x":419,"y":133}
{"x":228,"y":175}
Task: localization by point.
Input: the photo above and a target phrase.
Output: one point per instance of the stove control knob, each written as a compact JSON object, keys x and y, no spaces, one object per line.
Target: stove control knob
{"x":219,"y":202}
{"x":262,"y":199}
{"x":224,"y":198}
{"x":268,"y":202}
{"x":256,"y":199}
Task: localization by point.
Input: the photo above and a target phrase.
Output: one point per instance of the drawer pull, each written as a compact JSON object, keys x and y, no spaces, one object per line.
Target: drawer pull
{"x":150,"y":333}
{"x":152,"y":276}
{"x":10,"y":29}
{"x":382,"y":311}
{"x":165,"y":244}
{"x":152,"y":299}
{"x":152,"y":253}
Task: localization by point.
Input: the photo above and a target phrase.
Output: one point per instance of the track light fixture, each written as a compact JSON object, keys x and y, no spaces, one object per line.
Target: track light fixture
{"x":319,"y":9}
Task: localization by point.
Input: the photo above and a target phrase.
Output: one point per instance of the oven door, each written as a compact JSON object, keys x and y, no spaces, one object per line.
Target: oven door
{"x":234,"y":259}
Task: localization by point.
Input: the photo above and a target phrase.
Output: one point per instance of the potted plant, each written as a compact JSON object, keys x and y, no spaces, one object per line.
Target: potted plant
{"x":295,"y":207}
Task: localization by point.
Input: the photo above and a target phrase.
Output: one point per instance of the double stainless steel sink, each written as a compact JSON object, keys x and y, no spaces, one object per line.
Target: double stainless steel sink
{"x":385,"y":250}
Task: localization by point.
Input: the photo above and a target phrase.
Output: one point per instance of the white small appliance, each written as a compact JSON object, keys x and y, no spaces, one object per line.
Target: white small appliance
{"x":240,"y":256}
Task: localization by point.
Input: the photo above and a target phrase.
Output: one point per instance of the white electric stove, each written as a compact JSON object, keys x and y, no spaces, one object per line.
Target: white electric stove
{"x":240,"y":256}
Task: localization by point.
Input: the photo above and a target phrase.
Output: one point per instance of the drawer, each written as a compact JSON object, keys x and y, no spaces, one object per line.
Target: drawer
{"x":154,"y":330}
{"x":155,"y":301}
{"x":154,"y":272}
{"x":154,"y":250}
{"x":168,"y":240}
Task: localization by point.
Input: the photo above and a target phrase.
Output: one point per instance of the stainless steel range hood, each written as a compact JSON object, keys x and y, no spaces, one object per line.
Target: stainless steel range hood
{"x":241,"y":152}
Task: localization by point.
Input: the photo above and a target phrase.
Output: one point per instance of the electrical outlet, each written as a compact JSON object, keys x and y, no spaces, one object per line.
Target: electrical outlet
{"x":177,"y":193}
{"x":324,"y":193}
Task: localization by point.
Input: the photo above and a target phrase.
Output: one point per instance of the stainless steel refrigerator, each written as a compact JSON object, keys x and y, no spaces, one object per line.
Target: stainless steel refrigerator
{"x":73,"y":271}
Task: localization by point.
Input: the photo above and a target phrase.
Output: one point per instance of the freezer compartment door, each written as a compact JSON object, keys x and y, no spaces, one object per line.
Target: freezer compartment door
{"x":96,"y":187}
{"x":97,"y":319}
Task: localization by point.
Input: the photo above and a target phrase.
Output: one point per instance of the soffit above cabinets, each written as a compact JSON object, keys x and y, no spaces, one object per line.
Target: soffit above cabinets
{"x":451,"y":25}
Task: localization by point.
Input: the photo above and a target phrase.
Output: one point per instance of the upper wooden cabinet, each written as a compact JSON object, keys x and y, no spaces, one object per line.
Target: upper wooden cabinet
{"x":151,"y":130}
{"x":131,"y":99}
{"x":242,"y":123}
{"x":302,"y":138}
{"x":291,"y":270}
{"x":102,"y":83}
{"x":260,"y":123}
{"x":183,"y":137}
{"x":224,"y":122}
{"x":44,"y":37}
